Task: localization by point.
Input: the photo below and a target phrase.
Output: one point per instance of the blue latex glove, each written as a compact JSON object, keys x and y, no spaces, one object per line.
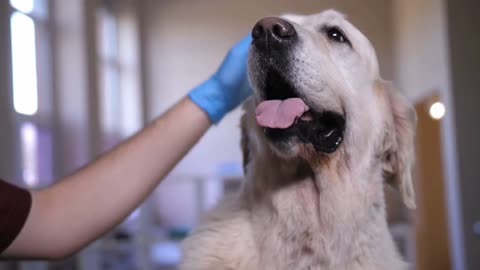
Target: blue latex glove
{"x":228,"y":87}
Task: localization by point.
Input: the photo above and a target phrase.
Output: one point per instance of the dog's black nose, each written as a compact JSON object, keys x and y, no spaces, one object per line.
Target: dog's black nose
{"x":273,"y":30}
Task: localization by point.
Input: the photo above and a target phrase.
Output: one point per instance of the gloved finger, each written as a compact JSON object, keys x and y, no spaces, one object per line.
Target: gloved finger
{"x":241,"y":47}
{"x":234,"y":65}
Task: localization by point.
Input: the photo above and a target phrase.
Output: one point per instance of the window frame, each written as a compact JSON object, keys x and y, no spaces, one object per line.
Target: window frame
{"x":42,"y":120}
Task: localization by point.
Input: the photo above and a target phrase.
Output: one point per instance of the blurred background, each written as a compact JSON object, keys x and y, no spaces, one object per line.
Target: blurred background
{"x":79,"y":76}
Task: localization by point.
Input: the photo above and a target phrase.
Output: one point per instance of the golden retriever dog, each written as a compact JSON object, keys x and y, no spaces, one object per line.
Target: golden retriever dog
{"x":322,"y":134}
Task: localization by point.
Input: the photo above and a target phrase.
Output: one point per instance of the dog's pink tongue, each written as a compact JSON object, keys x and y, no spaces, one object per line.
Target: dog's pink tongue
{"x":280,"y":113}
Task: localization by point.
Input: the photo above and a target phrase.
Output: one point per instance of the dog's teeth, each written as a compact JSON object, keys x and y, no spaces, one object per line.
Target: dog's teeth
{"x":307,"y":116}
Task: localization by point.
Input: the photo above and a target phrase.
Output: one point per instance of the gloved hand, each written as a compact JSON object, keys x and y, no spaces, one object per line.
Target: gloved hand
{"x":228,"y":87}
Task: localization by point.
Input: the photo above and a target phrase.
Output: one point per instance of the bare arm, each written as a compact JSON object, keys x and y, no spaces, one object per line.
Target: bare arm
{"x":71,"y":214}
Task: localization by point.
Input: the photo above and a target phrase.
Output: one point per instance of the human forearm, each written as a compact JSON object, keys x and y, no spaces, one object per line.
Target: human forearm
{"x":88,"y":203}
{"x":83,"y":206}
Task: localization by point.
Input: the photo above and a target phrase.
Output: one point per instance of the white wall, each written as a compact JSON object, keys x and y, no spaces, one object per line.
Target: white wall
{"x":185,"y":42}
{"x":420,"y":42}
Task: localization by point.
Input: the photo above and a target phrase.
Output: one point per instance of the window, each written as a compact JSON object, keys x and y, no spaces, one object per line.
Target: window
{"x":119,"y":87}
{"x":25,"y":6}
{"x":29,"y":144}
{"x":29,"y":50}
{"x":109,"y":78}
{"x":24,"y":69}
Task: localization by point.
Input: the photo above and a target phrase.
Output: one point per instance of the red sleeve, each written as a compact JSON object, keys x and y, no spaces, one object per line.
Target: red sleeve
{"x":15,"y":204}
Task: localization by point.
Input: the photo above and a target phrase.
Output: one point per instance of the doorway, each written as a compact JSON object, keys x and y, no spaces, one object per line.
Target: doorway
{"x":431,"y":230}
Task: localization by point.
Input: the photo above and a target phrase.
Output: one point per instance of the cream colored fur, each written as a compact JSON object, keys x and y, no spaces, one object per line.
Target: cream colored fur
{"x":300,"y":209}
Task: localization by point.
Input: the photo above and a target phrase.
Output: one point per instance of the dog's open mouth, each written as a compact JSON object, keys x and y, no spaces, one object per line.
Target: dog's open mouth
{"x":284,"y":115}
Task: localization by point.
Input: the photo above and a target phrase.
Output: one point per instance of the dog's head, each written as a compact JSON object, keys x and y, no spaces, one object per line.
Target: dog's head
{"x":318,"y":96}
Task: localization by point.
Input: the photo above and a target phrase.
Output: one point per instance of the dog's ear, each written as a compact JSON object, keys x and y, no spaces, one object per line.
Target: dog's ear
{"x":398,"y":150}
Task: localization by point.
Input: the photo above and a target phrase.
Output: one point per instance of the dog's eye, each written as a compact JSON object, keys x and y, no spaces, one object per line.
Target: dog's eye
{"x":335,"y":34}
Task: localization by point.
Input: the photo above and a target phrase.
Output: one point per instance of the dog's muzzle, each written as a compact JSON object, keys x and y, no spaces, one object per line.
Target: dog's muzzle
{"x":285,"y":115}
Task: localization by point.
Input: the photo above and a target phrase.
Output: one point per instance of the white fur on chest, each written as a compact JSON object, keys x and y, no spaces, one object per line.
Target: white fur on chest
{"x":300,"y":228}
{"x":294,"y":227}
